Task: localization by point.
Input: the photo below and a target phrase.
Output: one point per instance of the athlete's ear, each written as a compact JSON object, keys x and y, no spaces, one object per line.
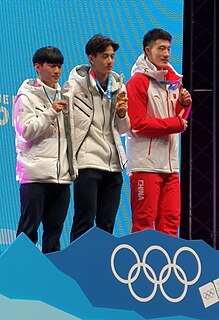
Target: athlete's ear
{"x":37,"y":67}
{"x":91,"y":59}
{"x":147,"y":50}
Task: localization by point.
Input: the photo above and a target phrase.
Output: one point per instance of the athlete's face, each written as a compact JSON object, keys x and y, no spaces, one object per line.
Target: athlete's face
{"x":49,"y":73}
{"x":103,"y":62}
{"x":159,"y":53}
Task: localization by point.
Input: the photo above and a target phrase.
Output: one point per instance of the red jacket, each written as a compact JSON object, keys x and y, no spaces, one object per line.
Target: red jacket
{"x":153,"y":141}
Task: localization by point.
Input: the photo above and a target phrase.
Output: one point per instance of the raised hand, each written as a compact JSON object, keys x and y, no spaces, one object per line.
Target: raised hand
{"x":121,"y":104}
{"x":59,"y":105}
{"x":184,"y":97}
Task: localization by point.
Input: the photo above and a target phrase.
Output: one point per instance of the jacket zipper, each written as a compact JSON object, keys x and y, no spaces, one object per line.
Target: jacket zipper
{"x":168,"y":110}
{"x":58,"y":160}
{"x":58,"y":165}
{"x":110,"y":151}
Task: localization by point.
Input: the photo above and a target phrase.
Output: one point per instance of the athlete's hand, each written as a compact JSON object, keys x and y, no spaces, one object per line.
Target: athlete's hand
{"x":184,"y":122}
{"x":59,"y":105}
{"x":184,"y":97}
{"x":121,"y":104}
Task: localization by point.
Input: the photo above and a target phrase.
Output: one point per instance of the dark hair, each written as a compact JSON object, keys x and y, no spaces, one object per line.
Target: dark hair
{"x":99,"y":43}
{"x":49,"y":55}
{"x":155,"y":34}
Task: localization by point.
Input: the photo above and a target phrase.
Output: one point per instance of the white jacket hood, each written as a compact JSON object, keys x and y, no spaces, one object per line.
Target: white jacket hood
{"x":143,"y":65}
{"x":36,"y":87}
{"x":80,"y":72}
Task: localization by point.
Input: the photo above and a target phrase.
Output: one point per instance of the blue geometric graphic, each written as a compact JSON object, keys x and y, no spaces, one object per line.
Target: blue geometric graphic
{"x":144,"y":270}
{"x":145,"y":275}
{"x":27,"y":274}
{"x":34,"y":310}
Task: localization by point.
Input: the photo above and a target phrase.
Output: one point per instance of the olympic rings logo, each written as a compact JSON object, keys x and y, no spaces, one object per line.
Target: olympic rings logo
{"x":209,"y":294}
{"x":152,"y":277}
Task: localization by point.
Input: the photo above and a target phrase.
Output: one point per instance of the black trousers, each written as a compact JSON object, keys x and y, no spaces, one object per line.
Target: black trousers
{"x":47,"y":203}
{"x":96,"y":199}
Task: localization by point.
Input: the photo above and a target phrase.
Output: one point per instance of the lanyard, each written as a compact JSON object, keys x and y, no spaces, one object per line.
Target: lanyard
{"x":56,"y":96}
{"x":108,"y":92}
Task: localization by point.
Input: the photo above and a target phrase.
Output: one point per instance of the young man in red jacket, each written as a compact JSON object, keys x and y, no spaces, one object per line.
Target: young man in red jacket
{"x":158,"y":107}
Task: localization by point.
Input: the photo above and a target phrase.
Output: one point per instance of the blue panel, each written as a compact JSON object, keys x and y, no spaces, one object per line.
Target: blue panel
{"x":68,"y":24}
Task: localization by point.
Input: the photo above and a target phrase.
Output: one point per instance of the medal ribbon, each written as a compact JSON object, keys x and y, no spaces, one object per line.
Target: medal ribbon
{"x":172,"y":85}
{"x":108,"y":92}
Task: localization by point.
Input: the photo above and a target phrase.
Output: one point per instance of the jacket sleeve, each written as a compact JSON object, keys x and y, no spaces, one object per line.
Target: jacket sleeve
{"x":29,"y":124}
{"x":141,"y":124}
{"x":179,"y":108}
{"x":122,"y":124}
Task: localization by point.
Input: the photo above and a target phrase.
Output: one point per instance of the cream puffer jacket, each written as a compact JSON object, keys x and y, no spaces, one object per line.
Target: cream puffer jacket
{"x":95,"y":127}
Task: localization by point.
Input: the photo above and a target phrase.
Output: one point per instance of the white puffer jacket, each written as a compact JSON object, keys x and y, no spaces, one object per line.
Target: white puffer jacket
{"x":41,"y":142}
{"x":93,"y":119}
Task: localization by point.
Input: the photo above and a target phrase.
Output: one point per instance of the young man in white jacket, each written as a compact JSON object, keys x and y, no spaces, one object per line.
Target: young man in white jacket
{"x":158,"y":109}
{"x":43,"y":169}
{"x":98,"y":118}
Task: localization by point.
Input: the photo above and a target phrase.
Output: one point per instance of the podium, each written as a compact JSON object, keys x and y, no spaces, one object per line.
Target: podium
{"x":145,"y":275}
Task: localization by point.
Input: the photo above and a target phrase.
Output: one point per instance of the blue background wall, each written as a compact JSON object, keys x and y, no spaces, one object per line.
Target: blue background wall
{"x":26,"y":25}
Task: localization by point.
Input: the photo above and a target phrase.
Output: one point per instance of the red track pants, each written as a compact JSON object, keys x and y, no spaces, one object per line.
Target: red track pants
{"x":155,"y":202}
